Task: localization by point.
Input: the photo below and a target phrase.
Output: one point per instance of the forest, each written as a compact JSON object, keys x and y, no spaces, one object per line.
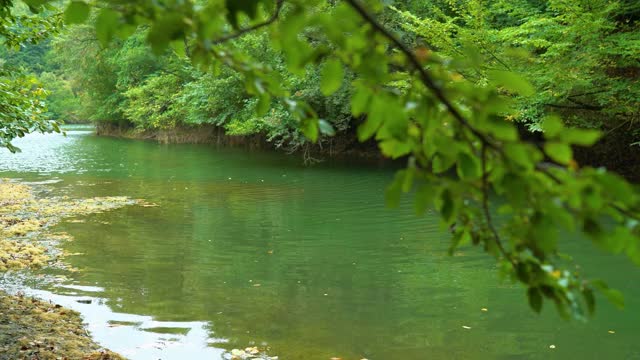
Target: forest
{"x":512,"y":125}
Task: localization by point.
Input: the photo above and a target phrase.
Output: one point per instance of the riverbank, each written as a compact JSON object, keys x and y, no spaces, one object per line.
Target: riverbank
{"x":35,"y":329}
{"x":343,"y":145}
{"x":613,"y":151}
{"x":31,"y":328}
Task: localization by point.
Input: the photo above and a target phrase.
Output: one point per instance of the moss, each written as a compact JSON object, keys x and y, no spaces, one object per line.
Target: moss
{"x":25,"y":220}
{"x":35,"y":329}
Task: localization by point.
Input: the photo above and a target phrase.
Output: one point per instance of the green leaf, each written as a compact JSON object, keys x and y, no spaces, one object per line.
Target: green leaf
{"x":394,"y":190}
{"x":446,"y":206}
{"x":179,"y":48}
{"x":459,"y":239}
{"x":234,"y":7}
{"x":512,"y":82}
{"x":520,"y":155}
{"x":310,"y":129}
{"x":543,"y":233}
{"x":394,"y":148}
{"x":468,"y":167}
{"x":614,"y":185}
{"x":332,"y":75}
{"x":264,"y":104}
{"x":423,"y":199}
{"x":633,"y":249}
{"x":582,"y":137}
{"x":589,"y":299}
{"x":383,"y":108}
{"x":409,"y":175}
{"x":106,"y":25}
{"x":552,"y":126}
{"x":163,"y":30}
{"x":559,"y":152}
{"x":535,"y":299}
{"x":502,"y":129}
{"x":77,"y":12}
{"x":442,"y":163}
{"x":360,"y":100}
{"x":614,"y":296}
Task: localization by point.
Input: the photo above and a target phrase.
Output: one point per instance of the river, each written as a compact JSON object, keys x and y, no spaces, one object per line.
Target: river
{"x":255,"y":248}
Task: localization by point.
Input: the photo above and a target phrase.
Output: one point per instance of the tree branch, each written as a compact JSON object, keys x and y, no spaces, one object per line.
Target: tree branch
{"x":274,"y":17}
{"x":578,"y":106}
{"x":485,"y":205}
{"x":425,"y":77}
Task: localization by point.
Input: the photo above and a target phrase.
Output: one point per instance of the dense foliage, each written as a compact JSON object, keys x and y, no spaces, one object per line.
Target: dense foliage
{"x":441,"y":83}
{"x":22,"y":97}
{"x":580,"y":56}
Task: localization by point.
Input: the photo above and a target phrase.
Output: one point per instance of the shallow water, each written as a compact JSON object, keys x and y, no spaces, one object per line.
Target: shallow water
{"x":253,"y":248}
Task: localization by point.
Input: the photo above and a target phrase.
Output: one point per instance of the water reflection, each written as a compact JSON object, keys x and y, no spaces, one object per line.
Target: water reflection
{"x":251,"y":248}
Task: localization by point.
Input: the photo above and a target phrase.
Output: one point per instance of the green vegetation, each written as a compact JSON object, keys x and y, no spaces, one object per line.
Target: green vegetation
{"x":448,"y":85}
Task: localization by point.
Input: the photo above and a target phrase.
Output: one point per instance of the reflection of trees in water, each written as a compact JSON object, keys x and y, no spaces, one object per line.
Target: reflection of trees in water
{"x":403,"y":295}
{"x":257,"y":260}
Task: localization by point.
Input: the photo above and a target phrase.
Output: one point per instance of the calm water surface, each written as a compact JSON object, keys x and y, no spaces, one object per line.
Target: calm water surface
{"x":249,"y":248}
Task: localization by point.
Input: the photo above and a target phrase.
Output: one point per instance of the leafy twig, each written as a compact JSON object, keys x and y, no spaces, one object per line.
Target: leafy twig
{"x":274,"y":17}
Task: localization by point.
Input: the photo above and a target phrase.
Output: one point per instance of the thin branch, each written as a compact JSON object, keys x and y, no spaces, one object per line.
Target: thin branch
{"x":274,"y":17}
{"x":425,"y":77}
{"x":588,"y":93}
{"x":487,"y":142}
{"x":485,"y":205}
{"x":493,"y":55}
{"x":618,"y":126}
{"x":575,"y":107}
{"x":587,"y":106}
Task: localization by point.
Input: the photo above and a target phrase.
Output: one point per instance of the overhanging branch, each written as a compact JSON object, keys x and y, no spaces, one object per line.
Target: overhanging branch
{"x":274,"y":17}
{"x":425,"y":77}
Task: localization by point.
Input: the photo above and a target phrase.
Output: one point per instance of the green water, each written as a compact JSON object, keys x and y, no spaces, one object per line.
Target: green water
{"x":250,"y":248}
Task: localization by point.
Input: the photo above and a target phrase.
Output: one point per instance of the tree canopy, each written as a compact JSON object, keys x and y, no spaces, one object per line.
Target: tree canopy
{"x":446,"y":85}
